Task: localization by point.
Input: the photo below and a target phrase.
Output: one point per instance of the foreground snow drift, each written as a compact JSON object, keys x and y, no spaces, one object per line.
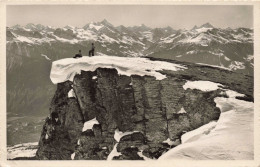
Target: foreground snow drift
{"x":231,"y":137}
{"x":65,"y":69}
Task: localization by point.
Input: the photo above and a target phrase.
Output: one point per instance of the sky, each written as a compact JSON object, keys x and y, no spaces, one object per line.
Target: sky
{"x":176,"y":16}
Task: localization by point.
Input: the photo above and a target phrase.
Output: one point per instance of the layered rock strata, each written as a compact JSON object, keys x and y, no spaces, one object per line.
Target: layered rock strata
{"x":149,"y":112}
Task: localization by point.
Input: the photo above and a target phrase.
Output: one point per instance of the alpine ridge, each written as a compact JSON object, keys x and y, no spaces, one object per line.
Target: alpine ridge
{"x":228,"y":48}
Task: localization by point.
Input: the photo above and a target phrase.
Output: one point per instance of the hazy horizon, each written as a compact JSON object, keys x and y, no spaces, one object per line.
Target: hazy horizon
{"x":154,"y":16}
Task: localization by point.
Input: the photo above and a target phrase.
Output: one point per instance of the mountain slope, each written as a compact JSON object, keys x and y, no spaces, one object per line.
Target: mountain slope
{"x":228,"y":139}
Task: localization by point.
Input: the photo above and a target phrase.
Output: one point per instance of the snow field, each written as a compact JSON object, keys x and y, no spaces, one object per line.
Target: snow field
{"x":65,"y":69}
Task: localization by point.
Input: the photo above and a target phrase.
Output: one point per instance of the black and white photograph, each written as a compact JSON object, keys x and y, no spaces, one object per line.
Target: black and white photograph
{"x":135,"y":82}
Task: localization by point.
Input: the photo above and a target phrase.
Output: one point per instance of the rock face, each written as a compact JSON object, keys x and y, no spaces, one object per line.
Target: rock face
{"x":152,"y":110}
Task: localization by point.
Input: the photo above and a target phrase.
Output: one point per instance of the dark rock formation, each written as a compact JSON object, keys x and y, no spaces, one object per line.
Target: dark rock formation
{"x":142,"y":105}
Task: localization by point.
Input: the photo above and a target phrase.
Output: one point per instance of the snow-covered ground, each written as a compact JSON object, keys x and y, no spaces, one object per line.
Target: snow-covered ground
{"x":231,"y":137}
{"x":65,"y":69}
{"x":201,"y":85}
{"x":22,"y":150}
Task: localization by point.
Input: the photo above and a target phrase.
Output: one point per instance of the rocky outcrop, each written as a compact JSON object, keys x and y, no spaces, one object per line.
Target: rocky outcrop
{"x":149,"y":110}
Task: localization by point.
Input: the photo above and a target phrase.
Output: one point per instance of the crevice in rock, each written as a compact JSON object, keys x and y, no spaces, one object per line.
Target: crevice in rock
{"x":144,"y":102}
{"x":78,"y":103}
{"x":163,"y":109}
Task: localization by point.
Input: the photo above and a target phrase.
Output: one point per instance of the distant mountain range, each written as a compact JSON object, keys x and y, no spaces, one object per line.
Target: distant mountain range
{"x":228,"y":48}
{"x":32,"y":48}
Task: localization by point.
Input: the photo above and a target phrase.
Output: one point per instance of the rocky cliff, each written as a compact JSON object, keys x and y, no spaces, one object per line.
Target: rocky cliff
{"x":101,"y":114}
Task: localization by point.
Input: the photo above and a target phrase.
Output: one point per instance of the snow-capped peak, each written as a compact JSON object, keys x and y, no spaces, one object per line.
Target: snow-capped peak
{"x":141,"y":28}
{"x":40,"y":26}
{"x":105,"y":22}
{"x":93,"y":26}
{"x":206,"y":25}
{"x":17,"y":26}
{"x":195,"y":27}
{"x":69,"y":27}
{"x":144,"y":26}
{"x":30,"y":26}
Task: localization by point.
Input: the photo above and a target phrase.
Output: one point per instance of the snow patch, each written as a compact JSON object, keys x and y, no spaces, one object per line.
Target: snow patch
{"x":140,"y":153}
{"x":201,"y":85}
{"x":22,"y":150}
{"x":113,"y":153}
{"x":71,"y":93}
{"x":65,"y":69}
{"x":73,"y":156}
{"x":182,"y":111}
{"x":95,"y":26}
{"x":203,"y":29}
{"x":24,"y":39}
{"x":46,"y":57}
{"x":226,"y":58}
{"x":250,"y":57}
{"x":217,"y":54}
{"x":89,"y":124}
{"x":192,"y":52}
{"x":71,"y":41}
{"x":26,"y":29}
{"x":214,"y":66}
{"x":108,"y":39}
{"x":86,"y":35}
{"x":202,"y":39}
{"x":132,"y":54}
{"x":233,"y":94}
{"x":169,"y":142}
{"x":118,"y":134}
{"x":236,"y":65}
{"x":148,"y":35}
{"x":69,"y":27}
{"x":169,"y":39}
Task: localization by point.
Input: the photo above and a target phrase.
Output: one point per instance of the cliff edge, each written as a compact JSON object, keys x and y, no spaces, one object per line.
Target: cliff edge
{"x":109,"y":107}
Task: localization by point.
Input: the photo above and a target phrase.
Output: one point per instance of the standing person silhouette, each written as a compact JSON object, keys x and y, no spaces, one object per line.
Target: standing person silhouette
{"x":91,"y":52}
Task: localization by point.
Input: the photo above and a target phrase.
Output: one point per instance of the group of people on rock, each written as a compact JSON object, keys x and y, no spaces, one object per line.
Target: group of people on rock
{"x":90,"y":53}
